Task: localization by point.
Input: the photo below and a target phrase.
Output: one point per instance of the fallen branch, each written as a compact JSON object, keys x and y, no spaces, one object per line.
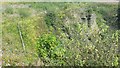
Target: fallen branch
{"x":20,"y":33}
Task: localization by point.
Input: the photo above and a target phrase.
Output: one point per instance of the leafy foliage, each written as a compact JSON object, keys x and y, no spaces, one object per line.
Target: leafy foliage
{"x":49,"y":48}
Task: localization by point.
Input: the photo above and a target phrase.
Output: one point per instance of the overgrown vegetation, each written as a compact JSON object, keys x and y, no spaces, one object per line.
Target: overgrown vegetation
{"x":74,"y":34}
{"x":50,"y":49}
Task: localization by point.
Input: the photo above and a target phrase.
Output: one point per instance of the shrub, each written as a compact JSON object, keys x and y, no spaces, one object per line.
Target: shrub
{"x":49,"y":49}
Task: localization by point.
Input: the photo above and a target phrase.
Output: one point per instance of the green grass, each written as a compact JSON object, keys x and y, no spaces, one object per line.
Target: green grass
{"x":11,"y":42}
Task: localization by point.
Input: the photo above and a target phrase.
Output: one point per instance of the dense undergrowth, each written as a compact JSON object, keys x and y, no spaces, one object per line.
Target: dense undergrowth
{"x":61,"y":34}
